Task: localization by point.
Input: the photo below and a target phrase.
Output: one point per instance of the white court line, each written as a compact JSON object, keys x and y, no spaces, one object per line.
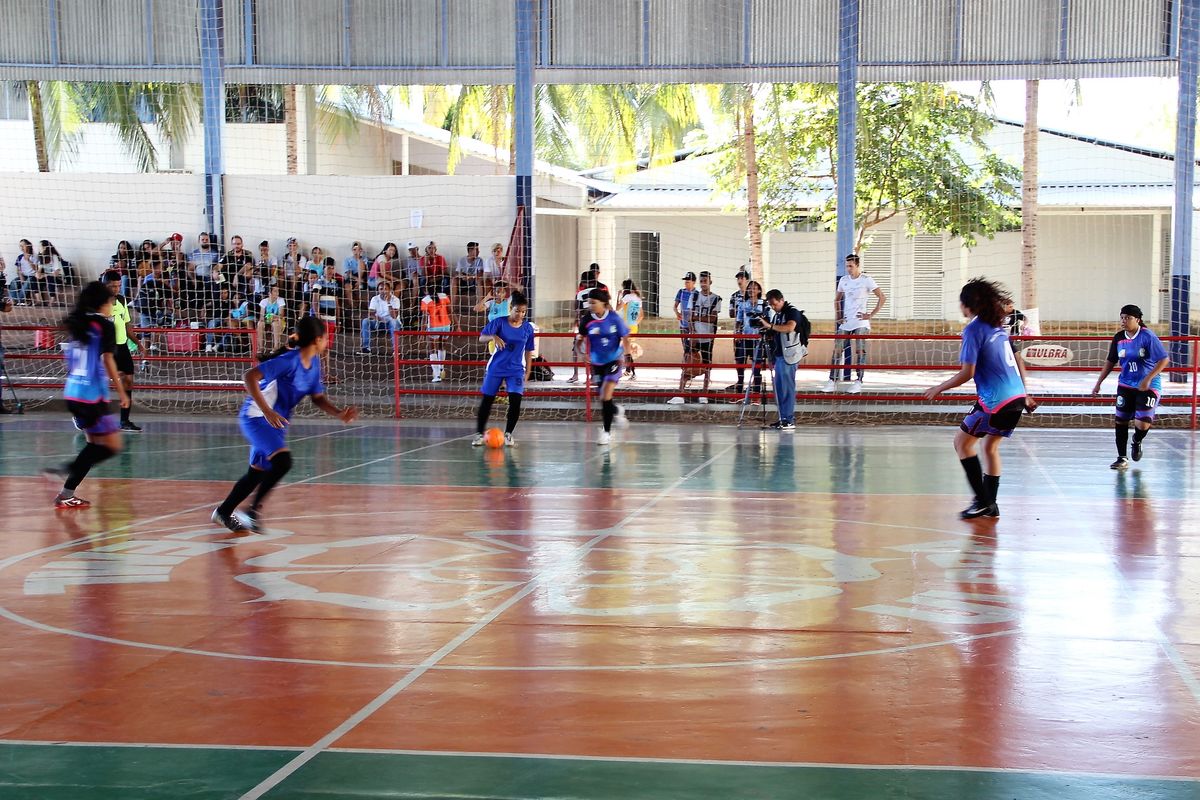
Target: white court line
{"x":432,"y":660}
{"x":618,"y":759}
{"x":1037,"y":462}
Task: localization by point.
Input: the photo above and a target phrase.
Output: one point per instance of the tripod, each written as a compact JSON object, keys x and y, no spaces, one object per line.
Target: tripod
{"x":759,"y":347}
{"x":18,"y":406}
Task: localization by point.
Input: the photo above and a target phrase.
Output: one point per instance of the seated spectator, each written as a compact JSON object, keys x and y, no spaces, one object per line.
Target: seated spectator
{"x":201,"y":259}
{"x":123,"y":261}
{"x":382,"y":314}
{"x":308,"y":291}
{"x":241,"y":315}
{"x":237,"y":257}
{"x":25,"y":285}
{"x":467,"y":272}
{"x":437,"y":271}
{"x":266,"y":266}
{"x":316,"y":259}
{"x":381,"y":266}
{"x":413,"y":271}
{"x":53,"y":270}
{"x":271,"y":311}
{"x":493,"y":268}
{"x":293,"y":262}
{"x":248,"y":284}
{"x":355,"y":268}
{"x":154,"y":302}
{"x":328,"y":293}
{"x":218,"y":317}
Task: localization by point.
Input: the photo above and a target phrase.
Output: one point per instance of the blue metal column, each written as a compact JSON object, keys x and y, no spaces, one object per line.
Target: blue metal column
{"x":847,"y":129}
{"x":212,"y":83}
{"x":846,"y":144}
{"x":523,"y":140}
{"x":1185,"y":177}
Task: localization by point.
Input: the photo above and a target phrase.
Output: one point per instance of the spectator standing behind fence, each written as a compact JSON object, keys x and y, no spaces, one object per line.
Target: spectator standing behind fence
{"x":685,"y":304}
{"x":467,"y":272}
{"x":850,"y":310}
{"x":383,"y":313}
{"x":629,"y":307}
{"x":705,"y":310}
{"x":271,"y":311}
{"x":437,"y":271}
{"x":588,"y":280}
{"x":750,"y":351}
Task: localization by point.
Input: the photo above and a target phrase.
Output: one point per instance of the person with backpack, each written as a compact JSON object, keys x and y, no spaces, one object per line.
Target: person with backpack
{"x":789,"y":330}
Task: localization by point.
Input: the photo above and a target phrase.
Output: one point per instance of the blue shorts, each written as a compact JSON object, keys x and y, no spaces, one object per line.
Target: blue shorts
{"x":264,"y":440}
{"x":491,"y":384}
{"x":1133,"y":403}
{"x":96,"y":419}
{"x":1001,"y":422}
{"x":609,"y":372}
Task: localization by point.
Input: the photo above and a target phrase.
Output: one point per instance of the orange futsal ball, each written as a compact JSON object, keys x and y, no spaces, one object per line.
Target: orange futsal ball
{"x":494,"y":438}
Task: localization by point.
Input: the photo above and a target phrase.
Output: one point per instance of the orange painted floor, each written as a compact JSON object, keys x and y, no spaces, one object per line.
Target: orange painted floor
{"x":723,"y":601}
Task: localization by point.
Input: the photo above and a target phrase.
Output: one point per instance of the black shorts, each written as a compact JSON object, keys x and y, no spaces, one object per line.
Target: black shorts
{"x":94,"y":418}
{"x":124,"y":359}
{"x":1135,"y":404}
{"x":610,"y":371}
{"x":1001,"y":422}
{"x":705,"y":348}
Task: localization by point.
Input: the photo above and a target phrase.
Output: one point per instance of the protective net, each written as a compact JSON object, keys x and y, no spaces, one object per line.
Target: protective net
{"x":679,"y":143}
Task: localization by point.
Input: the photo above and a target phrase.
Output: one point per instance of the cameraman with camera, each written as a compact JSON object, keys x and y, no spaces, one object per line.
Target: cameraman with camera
{"x":788,"y":332}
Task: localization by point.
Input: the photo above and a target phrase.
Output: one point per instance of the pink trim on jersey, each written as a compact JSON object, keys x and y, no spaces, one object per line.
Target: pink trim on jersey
{"x":999,"y":405}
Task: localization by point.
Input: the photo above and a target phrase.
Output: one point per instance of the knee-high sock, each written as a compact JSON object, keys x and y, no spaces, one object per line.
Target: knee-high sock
{"x":485,"y":409}
{"x":1139,"y":434}
{"x":241,"y":490}
{"x":974,"y":471}
{"x":991,"y":485}
{"x":514,"y":413}
{"x":1122,"y":440}
{"x":125,"y":411}
{"x":281,"y":464}
{"x":610,"y":412}
{"x":91,"y":455}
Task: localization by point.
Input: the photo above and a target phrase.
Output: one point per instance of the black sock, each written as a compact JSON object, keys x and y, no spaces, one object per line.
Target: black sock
{"x":485,"y":410}
{"x":91,"y":455}
{"x":974,"y":471}
{"x":125,"y":411}
{"x":1139,"y":434}
{"x":514,"y":413}
{"x":991,"y":485}
{"x":610,"y":411}
{"x":1122,"y":440}
{"x":741,"y":379}
{"x":241,"y":490}
{"x":281,"y":464}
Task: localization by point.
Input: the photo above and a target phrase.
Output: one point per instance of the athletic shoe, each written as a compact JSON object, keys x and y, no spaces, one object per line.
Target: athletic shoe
{"x":366,"y":351}
{"x":782,"y":427}
{"x":621,"y":421}
{"x":509,"y":441}
{"x":855,"y":387}
{"x":232,"y":522}
{"x":477,"y":441}
{"x":249,"y":519}
{"x":675,"y":401}
{"x":436,"y":379}
{"x":829,"y":386}
{"x":212,"y":348}
{"x":977,"y":510}
{"x":703,"y":401}
{"x":129,"y":427}
{"x":71,"y":502}
{"x":153,"y":348}
{"x":1136,"y":451}
{"x":604,"y":438}
{"x":1120,"y":463}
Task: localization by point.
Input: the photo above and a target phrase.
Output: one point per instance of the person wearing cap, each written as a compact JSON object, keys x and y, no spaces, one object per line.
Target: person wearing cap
{"x":1142,"y":358}
{"x":705,"y":309}
{"x":853,"y":320}
{"x":413,"y":269}
{"x":437,"y":271}
{"x":685,"y":303}
{"x":467,"y":272}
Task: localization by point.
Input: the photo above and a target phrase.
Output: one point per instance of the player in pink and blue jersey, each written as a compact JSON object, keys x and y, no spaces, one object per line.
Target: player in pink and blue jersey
{"x":91,"y":341}
{"x":1142,"y":358}
{"x":986,"y":357}
{"x":607,"y":338}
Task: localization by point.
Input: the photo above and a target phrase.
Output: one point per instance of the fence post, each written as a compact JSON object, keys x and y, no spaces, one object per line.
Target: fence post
{"x":587,"y":381}
{"x":396,"y":373}
{"x":1195,"y":345}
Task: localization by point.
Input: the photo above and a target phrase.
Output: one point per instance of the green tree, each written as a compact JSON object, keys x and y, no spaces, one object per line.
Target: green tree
{"x":921,"y":153}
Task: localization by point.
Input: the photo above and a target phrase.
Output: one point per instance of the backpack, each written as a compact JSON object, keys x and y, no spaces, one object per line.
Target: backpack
{"x":795,"y":344}
{"x":539,"y":371}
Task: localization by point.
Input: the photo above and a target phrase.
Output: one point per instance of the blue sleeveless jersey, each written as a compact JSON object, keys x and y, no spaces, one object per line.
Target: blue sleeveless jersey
{"x":87,"y":379}
{"x":997,"y":379}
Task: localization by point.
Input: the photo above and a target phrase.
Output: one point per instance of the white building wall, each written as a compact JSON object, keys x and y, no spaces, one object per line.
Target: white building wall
{"x":804,"y":267}
{"x":1091,"y":265}
{"x":556,"y":248}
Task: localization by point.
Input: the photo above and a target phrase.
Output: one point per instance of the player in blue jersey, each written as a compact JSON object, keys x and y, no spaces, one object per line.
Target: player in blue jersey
{"x":607,"y":338}
{"x":276,"y":387}
{"x":987,"y":358}
{"x":1142,"y":358}
{"x":512,"y":358}
{"x":91,"y":341}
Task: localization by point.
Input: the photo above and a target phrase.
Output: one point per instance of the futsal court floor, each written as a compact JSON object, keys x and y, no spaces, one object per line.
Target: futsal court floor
{"x":693,"y":612}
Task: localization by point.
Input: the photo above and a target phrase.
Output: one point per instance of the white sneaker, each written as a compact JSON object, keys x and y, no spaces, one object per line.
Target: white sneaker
{"x":604,"y":438}
{"x":855,"y":387}
{"x":704,"y":400}
{"x":436,"y":379}
{"x":153,"y":348}
{"x":477,"y":441}
{"x":675,"y":401}
{"x":508,"y":440}
{"x":621,"y":421}
{"x":829,"y":387}
{"x":212,"y":348}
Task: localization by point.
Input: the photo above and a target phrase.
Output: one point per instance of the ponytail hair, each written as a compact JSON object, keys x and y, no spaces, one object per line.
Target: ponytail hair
{"x":986,"y":300}
{"x":308,"y":330}
{"x":628,"y":285}
{"x":92,"y":298}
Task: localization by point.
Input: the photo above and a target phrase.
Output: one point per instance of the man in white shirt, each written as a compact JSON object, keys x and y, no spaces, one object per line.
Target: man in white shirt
{"x":850,"y":310}
{"x":382,"y":314}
